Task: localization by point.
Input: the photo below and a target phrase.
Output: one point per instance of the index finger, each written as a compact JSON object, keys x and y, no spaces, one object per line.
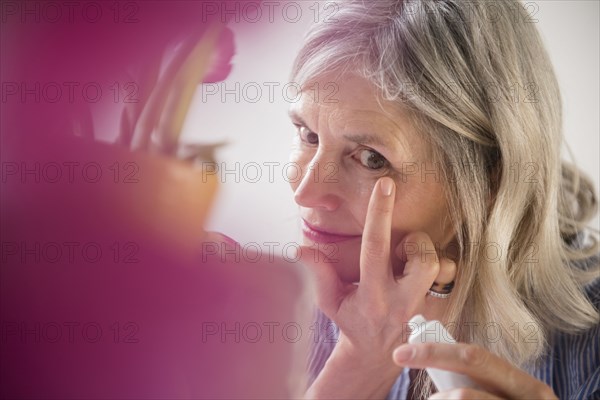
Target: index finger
{"x":495,"y":373}
{"x":375,"y":266}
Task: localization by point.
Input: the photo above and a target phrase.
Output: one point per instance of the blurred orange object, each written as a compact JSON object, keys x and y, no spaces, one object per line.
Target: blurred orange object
{"x":103,"y":293}
{"x":80,"y":183}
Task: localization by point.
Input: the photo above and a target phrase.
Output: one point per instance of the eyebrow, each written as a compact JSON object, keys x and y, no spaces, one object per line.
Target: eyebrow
{"x":294,"y":115}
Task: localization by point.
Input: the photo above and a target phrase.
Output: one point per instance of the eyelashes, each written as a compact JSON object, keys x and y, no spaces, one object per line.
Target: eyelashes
{"x":306,"y":135}
{"x":369,"y":159}
{"x":373,"y":160}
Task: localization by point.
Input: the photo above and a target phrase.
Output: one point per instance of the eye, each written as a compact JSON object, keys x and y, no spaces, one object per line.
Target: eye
{"x":307,"y":136}
{"x":372,"y":159}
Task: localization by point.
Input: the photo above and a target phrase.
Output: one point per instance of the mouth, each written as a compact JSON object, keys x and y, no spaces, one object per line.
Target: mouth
{"x":320,"y":235}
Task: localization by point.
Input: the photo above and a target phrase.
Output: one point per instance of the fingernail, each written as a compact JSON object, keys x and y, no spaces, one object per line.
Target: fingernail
{"x":404,"y":353}
{"x":387,"y":186}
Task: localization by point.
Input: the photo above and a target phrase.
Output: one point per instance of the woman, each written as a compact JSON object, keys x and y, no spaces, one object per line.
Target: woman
{"x":447,"y":197}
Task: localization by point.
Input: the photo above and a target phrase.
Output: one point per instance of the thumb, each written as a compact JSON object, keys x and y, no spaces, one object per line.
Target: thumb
{"x":330,"y":289}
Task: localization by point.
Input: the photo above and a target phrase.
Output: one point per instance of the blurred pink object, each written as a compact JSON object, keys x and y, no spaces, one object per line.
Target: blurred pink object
{"x":100,"y":299}
{"x":104,"y":290}
{"x":221,"y":66}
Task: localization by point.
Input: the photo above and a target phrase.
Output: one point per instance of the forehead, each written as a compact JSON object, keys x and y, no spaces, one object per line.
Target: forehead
{"x":352,"y":105}
{"x":340,"y":94}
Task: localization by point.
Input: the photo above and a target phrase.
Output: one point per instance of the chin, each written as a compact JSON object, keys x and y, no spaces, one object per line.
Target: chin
{"x":344,"y":256}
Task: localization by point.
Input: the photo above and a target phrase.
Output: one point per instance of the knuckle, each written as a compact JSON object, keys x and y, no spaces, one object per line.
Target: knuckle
{"x":374,"y":248}
{"x":427,"y":352}
{"x":378,"y":239}
{"x":473,"y":356}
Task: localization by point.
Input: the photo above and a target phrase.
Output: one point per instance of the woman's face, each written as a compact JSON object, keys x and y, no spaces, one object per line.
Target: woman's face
{"x":345,"y":141}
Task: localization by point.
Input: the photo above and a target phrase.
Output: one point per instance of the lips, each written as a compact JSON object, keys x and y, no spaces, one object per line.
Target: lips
{"x":321,"y":235}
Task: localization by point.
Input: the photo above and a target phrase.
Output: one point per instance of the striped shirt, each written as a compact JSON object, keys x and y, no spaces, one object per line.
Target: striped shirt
{"x":571,"y":365}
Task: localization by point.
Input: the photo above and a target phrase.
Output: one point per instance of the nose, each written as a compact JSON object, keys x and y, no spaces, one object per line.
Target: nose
{"x":319,"y":185}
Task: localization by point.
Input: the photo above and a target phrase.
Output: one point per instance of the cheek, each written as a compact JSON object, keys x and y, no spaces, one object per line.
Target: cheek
{"x":359,"y":206}
{"x":343,"y":256}
{"x":357,"y":191}
{"x":422,"y":209}
{"x":362,"y":190}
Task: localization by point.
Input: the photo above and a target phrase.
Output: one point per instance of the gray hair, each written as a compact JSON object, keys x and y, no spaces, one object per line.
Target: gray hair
{"x":488,"y":101}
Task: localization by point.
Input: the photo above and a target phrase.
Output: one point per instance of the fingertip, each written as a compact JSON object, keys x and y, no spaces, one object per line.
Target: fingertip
{"x":447,"y":272}
{"x":386,"y":186}
{"x":403,"y":353}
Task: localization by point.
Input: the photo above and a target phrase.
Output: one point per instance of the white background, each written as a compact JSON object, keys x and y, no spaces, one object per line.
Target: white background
{"x":261,"y":132}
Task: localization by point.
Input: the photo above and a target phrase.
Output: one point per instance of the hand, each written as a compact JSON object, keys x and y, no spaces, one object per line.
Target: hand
{"x":497,"y":378}
{"x":373,"y":316}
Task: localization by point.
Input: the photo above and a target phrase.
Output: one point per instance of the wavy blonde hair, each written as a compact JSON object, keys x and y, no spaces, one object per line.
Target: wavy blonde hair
{"x":488,"y":102}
